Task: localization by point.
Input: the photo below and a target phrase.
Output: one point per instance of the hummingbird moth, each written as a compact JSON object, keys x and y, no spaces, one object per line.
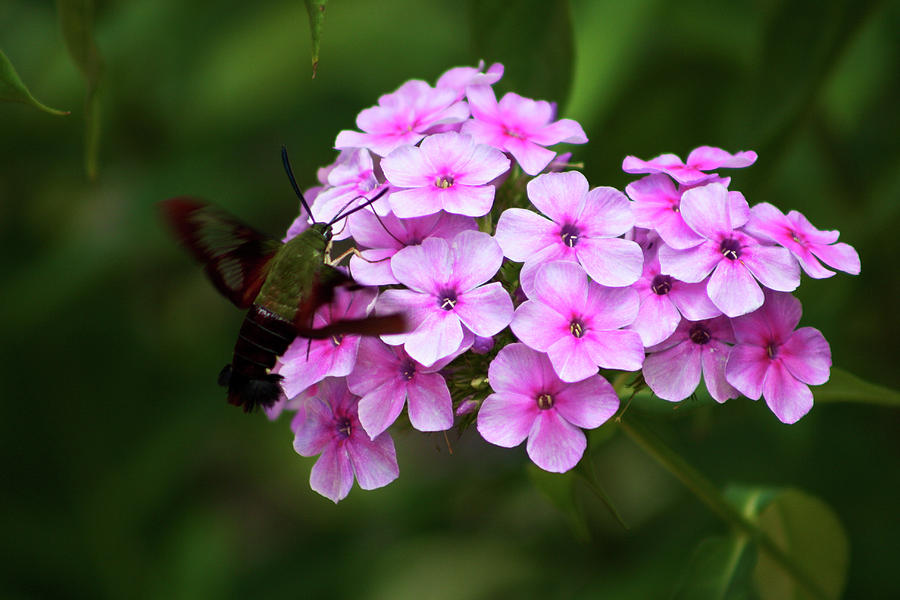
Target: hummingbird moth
{"x":281,"y":284}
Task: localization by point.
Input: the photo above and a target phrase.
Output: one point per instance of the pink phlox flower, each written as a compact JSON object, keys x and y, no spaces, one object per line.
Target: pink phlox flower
{"x":328,"y":425}
{"x":664,"y":300}
{"x":704,"y":158}
{"x":673,"y":367}
{"x":735,"y":259}
{"x":520,"y":126}
{"x":773,"y":360}
{"x":581,"y":225}
{"x":459,"y":78}
{"x":404,"y":117}
{"x":382,"y":237}
{"x":447,"y":300}
{"x":530,"y":401}
{"x":306,"y":361}
{"x":448,"y":171}
{"x":806,"y":243}
{"x":387,"y":378}
{"x":350,"y":183}
{"x":578,"y":323}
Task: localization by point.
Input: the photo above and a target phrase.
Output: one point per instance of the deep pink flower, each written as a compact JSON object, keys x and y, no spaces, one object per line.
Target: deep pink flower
{"x":774,"y":360}
{"x":387,"y":379}
{"x":530,"y":401}
{"x":735,"y":259}
{"x":328,"y":425}
{"x":704,"y":158}
{"x":447,"y":171}
{"x":446,"y":299}
{"x":520,"y":126}
{"x":806,"y":243}
{"x":672,"y":370}
{"x":664,"y":300}
{"x":384,"y":236}
{"x":403,"y":117}
{"x":583,"y":226}
{"x":578,"y":322}
{"x":459,"y":78}
{"x":308,"y":361}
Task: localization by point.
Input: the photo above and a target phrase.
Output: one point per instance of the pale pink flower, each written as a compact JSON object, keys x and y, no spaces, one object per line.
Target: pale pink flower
{"x":704,"y":158}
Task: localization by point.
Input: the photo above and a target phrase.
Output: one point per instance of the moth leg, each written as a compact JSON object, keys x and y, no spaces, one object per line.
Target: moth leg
{"x":352,"y":251}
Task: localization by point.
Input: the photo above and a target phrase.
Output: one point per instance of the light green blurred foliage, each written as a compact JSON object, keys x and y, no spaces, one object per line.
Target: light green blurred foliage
{"x":127,"y":476}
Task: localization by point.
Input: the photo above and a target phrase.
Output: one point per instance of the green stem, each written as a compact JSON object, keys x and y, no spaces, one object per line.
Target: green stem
{"x":709,"y":495}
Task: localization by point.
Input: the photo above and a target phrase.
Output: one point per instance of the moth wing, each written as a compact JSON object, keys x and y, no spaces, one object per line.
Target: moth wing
{"x":234,"y":256}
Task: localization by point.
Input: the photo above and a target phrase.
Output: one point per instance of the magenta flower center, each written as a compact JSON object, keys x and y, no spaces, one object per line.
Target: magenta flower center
{"x":443,"y":181}
{"x":730,"y":248}
{"x":662,"y":285}
{"x":569,"y":235}
{"x":337,"y":338}
{"x":447,"y":299}
{"x":407,"y":369}
{"x":699,"y":334}
{"x":512,"y":133}
{"x":544,"y":401}
{"x":576,"y":328}
{"x":343,"y":428}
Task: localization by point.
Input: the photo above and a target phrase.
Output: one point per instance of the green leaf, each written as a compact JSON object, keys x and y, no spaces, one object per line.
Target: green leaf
{"x":807,"y":530}
{"x":316,"y":11}
{"x":76,"y":18}
{"x":534,"y":41}
{"x":846,"y":387}
{"x":720,"y":568}
{"x":559,"y":489}
{"x":12,"y":89}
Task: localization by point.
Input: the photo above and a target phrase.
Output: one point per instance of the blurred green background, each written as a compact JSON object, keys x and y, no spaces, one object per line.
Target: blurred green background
{"x":127,"y":476}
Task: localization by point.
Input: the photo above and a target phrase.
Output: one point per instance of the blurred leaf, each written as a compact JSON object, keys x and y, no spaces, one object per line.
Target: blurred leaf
{"x":76,"y":18}
{"x":719,"y":569}
{"x":316,"y":11}
{"x":12,"y":89}
{"x":809,"y":531}
{"x":559,"y":488}
{"x":534,"y":41}
{"x":846,"y":387}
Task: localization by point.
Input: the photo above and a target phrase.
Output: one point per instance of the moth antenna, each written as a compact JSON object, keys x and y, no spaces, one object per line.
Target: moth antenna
{"x":344,"y":215}
{"x":290,"y":173}
{"x":388,"y":231}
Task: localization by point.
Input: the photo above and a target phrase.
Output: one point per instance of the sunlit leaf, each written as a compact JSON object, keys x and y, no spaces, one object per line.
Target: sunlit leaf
{"x":76,"y":18}
{"x":12,"y":89}
{"x":720,"y":569}
{"x":809,"y":531}
{"x":534,"y":41}
{"x":316,"y":11}
{"x":846,"y":387}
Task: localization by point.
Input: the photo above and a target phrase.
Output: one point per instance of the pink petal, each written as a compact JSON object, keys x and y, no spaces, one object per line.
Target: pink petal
{"x":558,"y":195}
{"x":610,"y":308}
{"x":610,"y":261}
{"x":807,"y":356}
{"x":840,"y":256}
{"x":657,"y":319}
{"x":571,"y":360}
{"x":746,"y":368}
{"x":373,"y":267}
{"x":538,"y":325}
{"x":476,"y":258}
{"x":707,"y":158}
{"x":775,"y":267}
{"x":692,"y":265}
{"x":692,"y":301}
{"x":606,"y":212}
{"x":733,"y":289}
{"x":633,"y":164}
{"x":561,"y":284}
{"x":620,"y":349}
{"x":376,"y":365}
{"x":424,"y":268}
{"x":380,"y":407}
{"x":482,"y":103}
{"x":531,"y":157}
{"x":524,"y":114}
{"x":414,"y":306}
{"x":467,"y":200}
{"x":554,"y":444}
{"x":589,"y":403}
{"x":439,"y":335}
{"x":408,"y":167}
{"x":486,"y":310}
{"x":801,"y":224}
{"x":787,"y":397}
{"x":522,"y":233}
{"x":556,"y":252}
{"x":674,"y":374}
{"x":505,"y":419}
{"x":519,"y":369}
{"x":416,"y":202}
{"x":429,"y":404}
{"x":705,"y":210}
{"x":313,"y":433}
{"x":332,"y":475}
{"x":564,"y":130}
{"x":480,"y":165}
{"x":374,"y":461}
{"x":714,"y":356}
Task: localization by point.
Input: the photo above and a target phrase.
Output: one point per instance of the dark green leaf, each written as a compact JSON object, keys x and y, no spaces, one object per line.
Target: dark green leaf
{"x":720,"y":568}
{"x":846,"y":387}
{"x":534,"y":41}
{"x":76,"y":18}
{"x":12,"y":89}
{"x":316,"y":11}
{"x":808,"y":531}
{"x":559,"y":488}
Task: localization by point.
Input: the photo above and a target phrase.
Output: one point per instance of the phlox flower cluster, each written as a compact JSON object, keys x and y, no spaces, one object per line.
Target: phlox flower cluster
{"x":523,"y":286}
